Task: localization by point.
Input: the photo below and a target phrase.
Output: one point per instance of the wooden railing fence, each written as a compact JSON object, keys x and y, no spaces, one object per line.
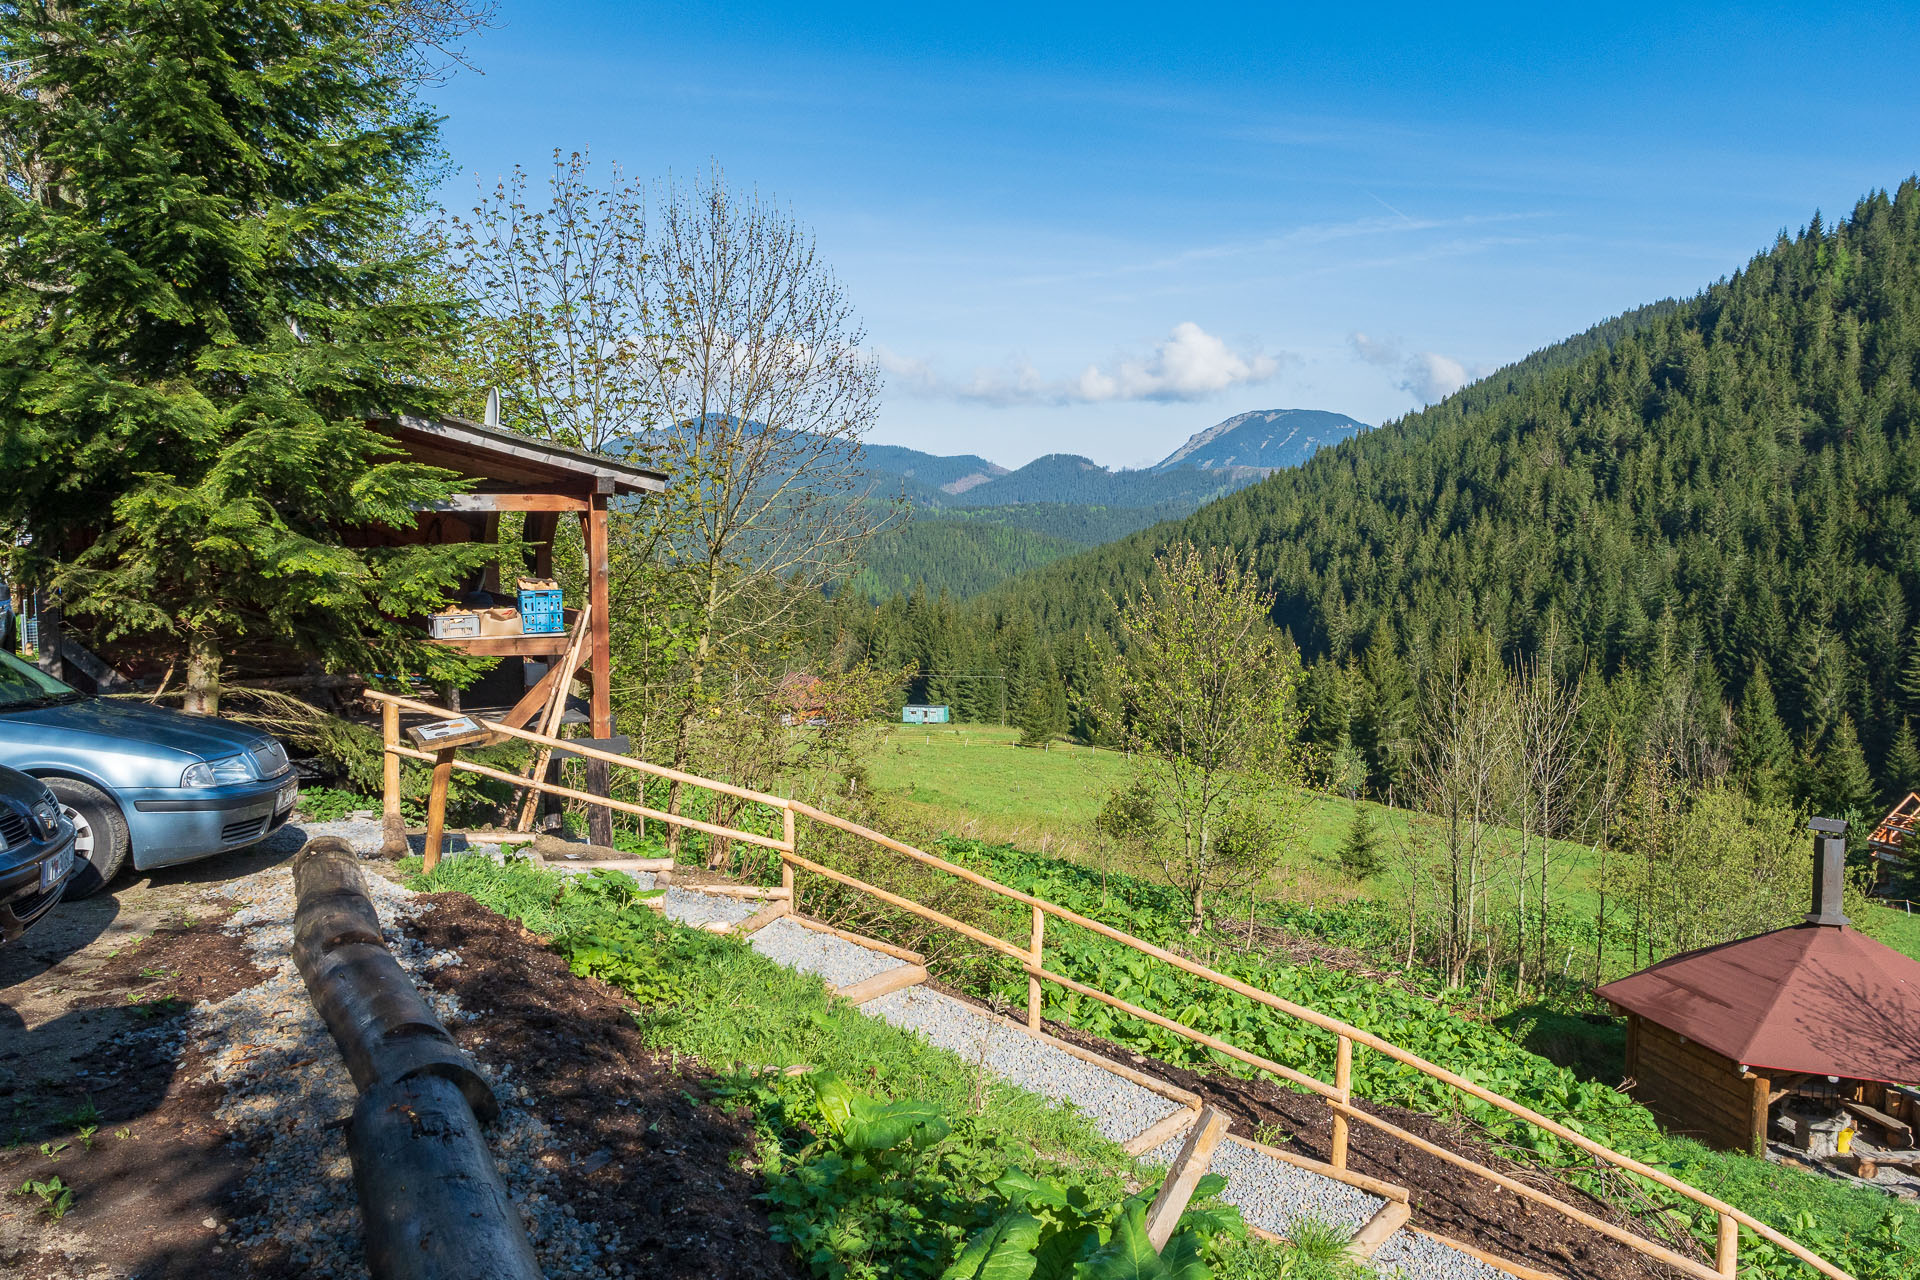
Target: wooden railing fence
{"x":1338,"y":1094}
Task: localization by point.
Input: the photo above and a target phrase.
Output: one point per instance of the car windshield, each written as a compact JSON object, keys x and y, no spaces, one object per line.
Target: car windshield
{"x":24,"y":685}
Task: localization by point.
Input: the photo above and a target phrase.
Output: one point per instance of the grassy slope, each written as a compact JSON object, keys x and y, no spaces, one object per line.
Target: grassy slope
{"x":972,"y":780}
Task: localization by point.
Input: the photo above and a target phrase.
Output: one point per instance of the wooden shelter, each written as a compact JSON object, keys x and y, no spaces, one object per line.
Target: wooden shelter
{"x":547,"y":482}
{"x":1817,"y":1012}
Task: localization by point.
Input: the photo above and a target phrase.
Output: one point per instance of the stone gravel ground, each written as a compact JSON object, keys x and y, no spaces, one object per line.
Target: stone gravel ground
{"x":835,"y":961}
{"x":1117,"y":1107}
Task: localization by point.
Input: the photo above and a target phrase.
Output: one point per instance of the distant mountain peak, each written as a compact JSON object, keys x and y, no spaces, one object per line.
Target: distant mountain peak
{"x":1268,"y":439}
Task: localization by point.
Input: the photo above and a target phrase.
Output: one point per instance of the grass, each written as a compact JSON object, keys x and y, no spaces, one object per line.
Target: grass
{"x":717,"y":1000}
{"x":974,"y":781}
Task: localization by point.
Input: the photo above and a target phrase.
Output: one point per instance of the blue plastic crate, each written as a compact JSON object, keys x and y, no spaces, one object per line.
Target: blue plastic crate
{"x":540,"y":612}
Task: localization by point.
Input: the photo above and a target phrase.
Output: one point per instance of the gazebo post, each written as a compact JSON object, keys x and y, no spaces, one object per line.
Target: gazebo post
{"x":599,"y":819}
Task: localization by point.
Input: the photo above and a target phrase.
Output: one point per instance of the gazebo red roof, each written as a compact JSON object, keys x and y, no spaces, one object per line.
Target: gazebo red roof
{"x":1817,"y":999}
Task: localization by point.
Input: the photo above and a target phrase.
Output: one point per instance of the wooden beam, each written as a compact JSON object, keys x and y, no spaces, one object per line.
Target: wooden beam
{"x":736,"y":890}
{"x":600,"y":818}
{"x":1159,"y":1131}
{"x":1374,"y":1231}
{"x":881,"y":984}
{"x":1196,"y":1153}
{"x":437,"y":806}
{"x":542,"y":646}
{"x":759,"y":919}
{"x":393,"y":826}
{"x":508,"y":502}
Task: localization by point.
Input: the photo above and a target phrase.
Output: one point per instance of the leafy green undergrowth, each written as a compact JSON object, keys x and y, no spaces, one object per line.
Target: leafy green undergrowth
{"x":1858,"y":1228}
{"x":889,"y":1155}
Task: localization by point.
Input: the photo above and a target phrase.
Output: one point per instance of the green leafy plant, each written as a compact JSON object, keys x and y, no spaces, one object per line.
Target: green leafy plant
{"x":55,"y":1196}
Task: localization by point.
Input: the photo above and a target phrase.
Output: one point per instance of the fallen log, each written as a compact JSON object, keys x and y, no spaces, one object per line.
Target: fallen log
{"x":432,"y":1204}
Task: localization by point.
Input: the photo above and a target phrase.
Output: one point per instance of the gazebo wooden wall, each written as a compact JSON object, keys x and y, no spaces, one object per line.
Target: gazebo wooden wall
{"x":1694,"y":1091}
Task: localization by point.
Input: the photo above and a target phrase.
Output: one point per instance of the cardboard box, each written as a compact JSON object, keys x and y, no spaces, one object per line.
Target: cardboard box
{"x":454,"y":624}
{"x":502,"y":621}
{"x":540,"y":611}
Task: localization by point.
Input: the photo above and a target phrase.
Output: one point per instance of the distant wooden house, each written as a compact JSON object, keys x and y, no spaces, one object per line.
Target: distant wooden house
{"x":1817,"y":1017}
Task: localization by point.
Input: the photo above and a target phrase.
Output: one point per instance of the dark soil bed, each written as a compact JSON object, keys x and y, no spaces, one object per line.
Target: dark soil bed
{"x":642,"y":1156}
{"x":156,"y":1167}
{"x":1446,"y":1200}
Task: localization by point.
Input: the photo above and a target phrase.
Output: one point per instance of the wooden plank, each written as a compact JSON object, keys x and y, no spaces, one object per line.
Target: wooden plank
{"x":760,"y":919}
{"x":732,"y":890}
{"x":1160,"y":1131}
{"x":509,"y":646}
{"x":1374,"y":1231}
{"x":880,"y":984}
{"x":1636,"y":1242}
{"x":1196,"y":1153}
{"x":1900,"y":1135}
{"x":507,"y":502}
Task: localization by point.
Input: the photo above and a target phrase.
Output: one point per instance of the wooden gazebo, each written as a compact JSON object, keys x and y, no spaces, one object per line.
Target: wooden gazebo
{"x":517,"y":473}
{"x":1717,"y":1037}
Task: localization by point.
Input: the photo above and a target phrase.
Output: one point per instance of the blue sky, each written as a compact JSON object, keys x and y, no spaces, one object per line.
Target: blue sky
{"x":1098,"y":230}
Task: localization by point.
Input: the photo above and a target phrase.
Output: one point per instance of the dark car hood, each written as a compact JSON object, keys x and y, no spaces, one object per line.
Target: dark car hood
{"x":122,"y":719}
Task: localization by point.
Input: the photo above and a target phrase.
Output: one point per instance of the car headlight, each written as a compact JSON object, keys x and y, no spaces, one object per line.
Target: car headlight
{"x":217,"y":773}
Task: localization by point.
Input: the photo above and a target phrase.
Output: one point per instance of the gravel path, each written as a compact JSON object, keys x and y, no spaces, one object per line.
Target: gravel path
{"x":1118,"y":1108}
{"x":836,"y":961}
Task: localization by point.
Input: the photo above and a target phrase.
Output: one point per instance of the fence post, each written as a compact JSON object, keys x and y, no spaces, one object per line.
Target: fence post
{"x":437,"y":806}
{"x":1726,"y":1258}
{"x":1343,"y":1081}
{"x":1033,"y":983}
{"x":393,"y":828}
{"x":789,"y":830}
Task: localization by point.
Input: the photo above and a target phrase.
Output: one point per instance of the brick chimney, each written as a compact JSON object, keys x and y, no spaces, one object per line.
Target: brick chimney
{"x":1829,"y":871}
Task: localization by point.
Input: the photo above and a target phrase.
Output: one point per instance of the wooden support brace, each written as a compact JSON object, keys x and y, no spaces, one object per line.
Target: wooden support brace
{"x":1160,"y":1131}
{"x":1374,"y":1231}
{"x":1196,"y":1154}
{"x":880,"y":984}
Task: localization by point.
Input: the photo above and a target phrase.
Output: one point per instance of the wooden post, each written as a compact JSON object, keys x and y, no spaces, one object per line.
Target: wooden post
{"x":393,"y":827}
{"x":1033,"y":983}
{"x":599,"y":818}
{"x":790,"y":830}
{"x":437,"y":806}
{"x":1183,"y":1175}
{"x":1726,"y":1258}
{"x":1343,"y":1081}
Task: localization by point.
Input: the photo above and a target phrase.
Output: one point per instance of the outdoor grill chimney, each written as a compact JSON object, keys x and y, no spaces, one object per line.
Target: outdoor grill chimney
{"x":1829,"y":870}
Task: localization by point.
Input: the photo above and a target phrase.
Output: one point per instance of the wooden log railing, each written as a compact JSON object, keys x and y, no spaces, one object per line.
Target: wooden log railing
{"x":1338,"y":1095}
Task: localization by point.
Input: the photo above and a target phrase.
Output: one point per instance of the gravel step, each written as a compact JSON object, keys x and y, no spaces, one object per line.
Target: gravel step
{"x":835,"y":960}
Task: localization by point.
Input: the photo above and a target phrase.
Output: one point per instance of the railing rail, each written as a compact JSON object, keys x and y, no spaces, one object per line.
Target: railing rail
{"x":1338,"y":1094}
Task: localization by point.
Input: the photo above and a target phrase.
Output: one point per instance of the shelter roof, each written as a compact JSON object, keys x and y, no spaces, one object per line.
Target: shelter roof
{"x":506,"y":461}
{"x":1818,"y":999}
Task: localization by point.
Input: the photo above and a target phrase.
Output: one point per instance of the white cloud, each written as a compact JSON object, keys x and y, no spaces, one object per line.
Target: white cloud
{"x":1426,"y":375}
{"x":1190,"y":364}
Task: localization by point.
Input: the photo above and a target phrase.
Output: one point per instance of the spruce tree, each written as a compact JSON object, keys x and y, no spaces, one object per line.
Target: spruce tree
{"x":1762,"y":751}
{"x":1843,"y":785}
{"x":200,"y":309}
{"x":1360,"y":851}
{"x":1902,"y":767}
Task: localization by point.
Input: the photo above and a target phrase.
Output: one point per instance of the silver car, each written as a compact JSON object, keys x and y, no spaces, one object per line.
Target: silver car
{"x":140,"y":783}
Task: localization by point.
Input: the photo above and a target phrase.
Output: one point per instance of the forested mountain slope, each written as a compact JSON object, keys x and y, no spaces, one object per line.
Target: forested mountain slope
{"x":1691,"y":492}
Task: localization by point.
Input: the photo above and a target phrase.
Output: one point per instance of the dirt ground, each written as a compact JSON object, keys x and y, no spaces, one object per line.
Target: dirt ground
{"x":127,"y":1126}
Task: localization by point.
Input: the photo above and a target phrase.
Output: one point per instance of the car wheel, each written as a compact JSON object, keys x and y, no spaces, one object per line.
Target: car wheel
{"x":100,"y":842}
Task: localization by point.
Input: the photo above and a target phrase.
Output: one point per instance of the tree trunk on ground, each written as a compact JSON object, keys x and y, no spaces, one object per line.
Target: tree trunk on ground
{"x":203,"y":675}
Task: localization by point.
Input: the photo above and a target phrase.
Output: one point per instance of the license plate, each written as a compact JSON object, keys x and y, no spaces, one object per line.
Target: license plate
{"x":55,"y":869}
{"x":287,"y":795}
